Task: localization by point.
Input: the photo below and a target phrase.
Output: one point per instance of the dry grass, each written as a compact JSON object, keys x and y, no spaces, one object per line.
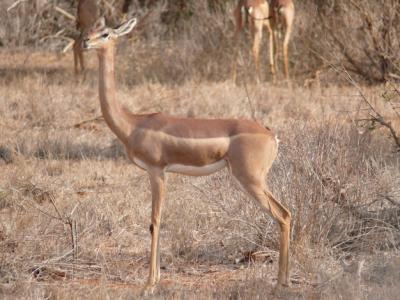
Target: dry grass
{"x":341,"y":186}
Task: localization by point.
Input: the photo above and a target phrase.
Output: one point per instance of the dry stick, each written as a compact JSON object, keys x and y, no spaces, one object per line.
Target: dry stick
{"x":252,"y":109}
{"x":109,"y":6}
{"x":72,"y":18}
{"x":72,"y":225}
{"x":42,"y":211}
{"x":15,"y":4}
{"x":398,"y":93}
{"x":97,"y":118}
{"x":66,"y":220}
{"x":68,"y":46}
{"x":395,"y":76}
{"x":65,"y":13}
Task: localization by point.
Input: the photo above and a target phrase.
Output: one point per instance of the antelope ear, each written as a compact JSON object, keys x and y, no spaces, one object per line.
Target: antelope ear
{"x":125,"y":27}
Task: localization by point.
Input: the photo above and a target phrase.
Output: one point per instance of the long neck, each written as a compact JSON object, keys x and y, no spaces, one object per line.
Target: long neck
{"x":115,"y":115}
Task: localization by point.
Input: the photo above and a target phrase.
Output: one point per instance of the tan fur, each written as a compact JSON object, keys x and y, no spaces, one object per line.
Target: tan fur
{"x":160,"y":143}
{"x":270,"y":14}
{"x":87,"y":15}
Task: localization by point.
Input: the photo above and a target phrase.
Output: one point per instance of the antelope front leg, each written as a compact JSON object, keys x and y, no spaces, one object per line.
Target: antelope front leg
{"x":289,"y":17}
{"x":285,"y":52}
{"x":257,"y":35}
{"x":272,"y":45}
{"x":157,"y":191}
{"x":238,"y":29}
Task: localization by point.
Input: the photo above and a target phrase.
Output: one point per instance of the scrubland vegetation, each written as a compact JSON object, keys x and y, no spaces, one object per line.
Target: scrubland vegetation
{"x":75,"y":213}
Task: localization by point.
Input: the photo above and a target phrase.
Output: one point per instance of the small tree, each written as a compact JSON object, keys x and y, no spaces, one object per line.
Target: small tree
{"x":364,"y":36}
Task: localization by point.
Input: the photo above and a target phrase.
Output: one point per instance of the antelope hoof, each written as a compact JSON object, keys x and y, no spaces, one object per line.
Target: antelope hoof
{"x":148,"y":289}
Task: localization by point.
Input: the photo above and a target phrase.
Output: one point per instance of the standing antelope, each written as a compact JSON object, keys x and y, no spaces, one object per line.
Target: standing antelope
{"x":271,"y":14}
{"x":159,"y":143}
{"x":87,"y":15}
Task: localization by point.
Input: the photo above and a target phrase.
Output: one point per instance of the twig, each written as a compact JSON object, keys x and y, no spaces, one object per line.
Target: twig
{"x":391,"y":103}
{"x":15,"y":4}
{"x":56,"y":209}
{"x":68,"y":46}
{"x":376,"y":116}
{"x":98,"y":118}
{"x":252,"y":109}
{"x":395,"y":76}
{"x":68,"y":220}
{"x":65,"y":13}
{"x":109,"y":6}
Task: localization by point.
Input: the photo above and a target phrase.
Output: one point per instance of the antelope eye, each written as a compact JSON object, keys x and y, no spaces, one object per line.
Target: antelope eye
{"x":105,"y":35}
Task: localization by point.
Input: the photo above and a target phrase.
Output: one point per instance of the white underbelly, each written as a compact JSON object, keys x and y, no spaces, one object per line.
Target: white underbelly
{"x":196,"y":170}
{"x":187,"y":169}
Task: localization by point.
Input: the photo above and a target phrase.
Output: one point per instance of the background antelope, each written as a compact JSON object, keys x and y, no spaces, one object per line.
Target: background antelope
{"x":271,"y":14}
{"x":87,"y":15}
